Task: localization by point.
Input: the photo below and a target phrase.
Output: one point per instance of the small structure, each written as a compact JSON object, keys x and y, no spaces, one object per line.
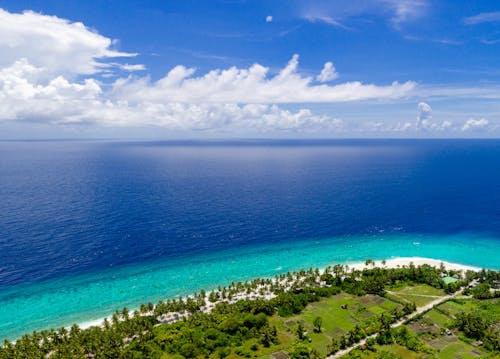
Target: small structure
{"x":343,"y":306}
{"x":496,"y":284}
{"x":448,"y":332}
{"x":448,"y":280}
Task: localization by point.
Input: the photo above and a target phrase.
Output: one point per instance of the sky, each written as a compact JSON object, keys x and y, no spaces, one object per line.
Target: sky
{"x":249,"y":69}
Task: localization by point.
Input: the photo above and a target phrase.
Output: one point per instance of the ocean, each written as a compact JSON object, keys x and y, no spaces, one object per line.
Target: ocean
{"x":87,"y":227}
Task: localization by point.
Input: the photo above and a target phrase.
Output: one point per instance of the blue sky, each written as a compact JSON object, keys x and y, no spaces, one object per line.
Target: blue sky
{"x":380,"y":68}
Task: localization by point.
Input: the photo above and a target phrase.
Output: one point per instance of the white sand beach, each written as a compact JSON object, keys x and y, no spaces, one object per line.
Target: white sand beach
{"x":417,"y":261}
{"x":389,"y":263}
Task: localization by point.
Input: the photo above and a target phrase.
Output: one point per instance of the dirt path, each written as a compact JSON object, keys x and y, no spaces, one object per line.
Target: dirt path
{"x":415,"y":295}
{"x":419,"y":311}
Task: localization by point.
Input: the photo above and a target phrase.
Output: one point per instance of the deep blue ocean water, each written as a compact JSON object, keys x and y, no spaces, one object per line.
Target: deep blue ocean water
{"x":87,"y":227}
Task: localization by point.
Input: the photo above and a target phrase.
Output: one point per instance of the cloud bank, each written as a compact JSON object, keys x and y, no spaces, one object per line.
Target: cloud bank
{"x":48,"y":72}
{"x":253,"y":85}
{"x":474,"y":125}
{"x":53,"y":71}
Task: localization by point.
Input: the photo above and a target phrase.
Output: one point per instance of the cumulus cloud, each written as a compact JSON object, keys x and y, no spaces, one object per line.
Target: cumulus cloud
{"x":269,"y":18}
{"x":424,"y":114}
{"x":425,"y":121}
{"x":23,"y":97}
{"x":233,"y":99}
{"x":473,"y":124}
{"x":56,"y":45}
{"x":251,"y":85}
{"x":328,"y":73}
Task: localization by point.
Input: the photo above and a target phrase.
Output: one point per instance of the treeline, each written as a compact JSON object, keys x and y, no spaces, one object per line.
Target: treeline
{"x":232,"y":321}
{"x":401,"y":335}
{"x":478,"y":325}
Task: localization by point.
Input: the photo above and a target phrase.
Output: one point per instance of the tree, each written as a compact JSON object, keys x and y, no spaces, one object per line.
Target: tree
{"x":188,"y":350}
{"x":409,"y":308}
{"x":125,"y":313}
{"x":315,"y":354}
{"x":267,"y":337}
{"x":300,"y":331}
{"x":300,"y":350}
{"x":334,"y":346}
{"x":318,"y":321}
{"x":373,"y":284}
{"x":472,"y":324}
{"x":482,"y":291}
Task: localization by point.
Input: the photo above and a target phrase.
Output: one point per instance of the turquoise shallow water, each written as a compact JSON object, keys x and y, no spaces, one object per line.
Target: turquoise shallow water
{"x":61,"y":302}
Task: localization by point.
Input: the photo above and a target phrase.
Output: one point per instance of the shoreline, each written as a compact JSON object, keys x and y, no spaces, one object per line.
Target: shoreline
{"x":391,"y":263}
{"x":396,"y":262}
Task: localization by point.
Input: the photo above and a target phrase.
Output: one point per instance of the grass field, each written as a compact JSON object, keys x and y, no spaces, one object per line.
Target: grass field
{"x":336,"y":321}
{"x":420,"y":294}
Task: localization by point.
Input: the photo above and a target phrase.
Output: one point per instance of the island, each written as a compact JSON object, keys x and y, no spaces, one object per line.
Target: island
{"x":398,"y":308}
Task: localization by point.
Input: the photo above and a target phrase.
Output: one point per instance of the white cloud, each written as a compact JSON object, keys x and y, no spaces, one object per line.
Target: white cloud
{"x":336,"y":13}
{"x":54,"y":44}
{"x":425,"y":121}
{"x":59,"y":101}
{"x":325,"y":19}
{"x":328,"y":73}
{"x":442,"y":92}
{"x":473,"y":124}
{"x":46,"y":75}
{"x":132,"y":67}
{"x":251,"y":85}
{"x":406,"y":10}
{"x":233,"y":100}
{"x":269,"y":18}
{"x":23,"y":96}
{"x":424,"y":114}
{"x":482,"y":18}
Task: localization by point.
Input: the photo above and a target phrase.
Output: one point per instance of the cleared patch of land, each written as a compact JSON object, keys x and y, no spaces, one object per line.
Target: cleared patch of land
{"x":435,"y":329}
{"x":339,"y":313}
{"x":420,"y":294}
{"x":432,"y":327}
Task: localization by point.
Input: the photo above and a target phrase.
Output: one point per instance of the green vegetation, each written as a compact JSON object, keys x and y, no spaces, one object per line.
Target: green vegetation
{"x":461,"y":328}
{"x":308,"y":314}
{"x":420,"y":294}
{"x":337,"y":323}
